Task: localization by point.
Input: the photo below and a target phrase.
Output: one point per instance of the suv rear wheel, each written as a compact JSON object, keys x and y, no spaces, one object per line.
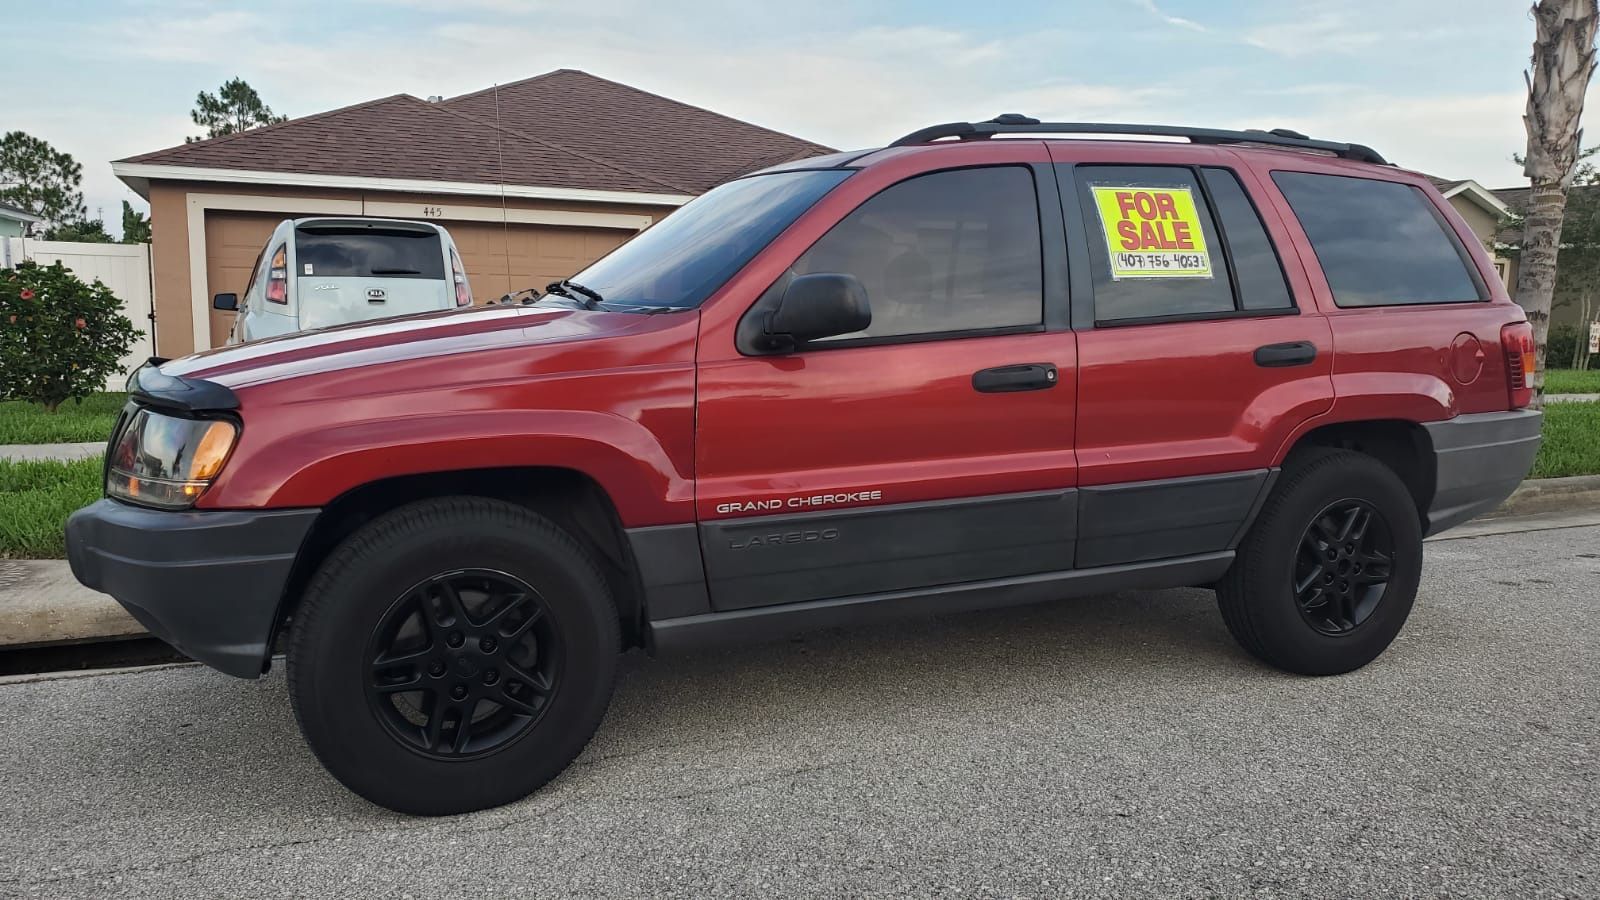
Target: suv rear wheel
{"x":1328,"y":573}
{"x":451,"y":655}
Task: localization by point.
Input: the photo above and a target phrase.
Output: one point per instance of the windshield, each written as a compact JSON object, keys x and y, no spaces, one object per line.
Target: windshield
{"x":682,"y":259}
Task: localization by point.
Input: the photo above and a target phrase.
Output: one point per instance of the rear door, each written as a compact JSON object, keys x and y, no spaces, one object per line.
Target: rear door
{"x":933,"y":448}
{"x":1199,"y":348}
{"x":347,"y":271}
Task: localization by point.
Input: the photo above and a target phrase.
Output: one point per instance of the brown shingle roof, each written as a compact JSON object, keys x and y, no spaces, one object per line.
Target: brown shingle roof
{"x":564,"y":129}
{"x":691,"y":148}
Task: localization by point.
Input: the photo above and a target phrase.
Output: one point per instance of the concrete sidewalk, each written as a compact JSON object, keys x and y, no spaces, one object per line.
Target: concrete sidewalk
{"x":1572,"y":398}
{"x":61,"y":452}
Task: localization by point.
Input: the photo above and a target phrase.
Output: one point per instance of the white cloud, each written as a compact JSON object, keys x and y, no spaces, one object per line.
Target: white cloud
{"x":1453,"y":136}
{"x":1150,"y":7}
{"x":841,"y":76}
{"x":1318,"y":35}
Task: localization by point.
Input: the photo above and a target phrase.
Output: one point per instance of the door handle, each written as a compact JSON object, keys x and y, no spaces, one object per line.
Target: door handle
{"x":1024,"y":377}
{"x":1293,"y":353}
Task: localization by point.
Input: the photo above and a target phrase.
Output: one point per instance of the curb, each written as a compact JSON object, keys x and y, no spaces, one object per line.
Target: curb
{"x":41,"y":604}
{"x":1545,"y":495}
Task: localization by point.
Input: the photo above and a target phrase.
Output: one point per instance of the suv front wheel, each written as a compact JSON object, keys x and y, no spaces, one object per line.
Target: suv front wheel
{"x":1327,"y":575}
{"x":452,"y":655}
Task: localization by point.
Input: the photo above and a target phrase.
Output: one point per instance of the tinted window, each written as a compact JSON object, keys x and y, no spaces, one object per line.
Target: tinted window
{"x":1153,"y":248}
{"x":685,"y":257}
{"x":1256,"y":270}
{"x":949,"y":251}
{"x":368,"y":253}
{"x":1379,"y":243}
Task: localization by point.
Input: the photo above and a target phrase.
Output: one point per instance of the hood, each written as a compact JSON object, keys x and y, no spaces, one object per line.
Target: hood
{"x":402,"y":338}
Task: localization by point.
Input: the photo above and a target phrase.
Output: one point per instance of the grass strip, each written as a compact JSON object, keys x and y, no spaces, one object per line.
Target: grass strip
{"x":36,"y":496}
{"x":91,"y":420}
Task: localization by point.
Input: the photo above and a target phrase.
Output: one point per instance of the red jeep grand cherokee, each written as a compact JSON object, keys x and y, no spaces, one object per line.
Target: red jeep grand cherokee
{"x":954,"y":373}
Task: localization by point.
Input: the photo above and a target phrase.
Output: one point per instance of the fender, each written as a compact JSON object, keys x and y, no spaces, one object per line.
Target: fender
{"x":1378,"y":396}
{"x":609,"y":395}
{"x":631,"y":463}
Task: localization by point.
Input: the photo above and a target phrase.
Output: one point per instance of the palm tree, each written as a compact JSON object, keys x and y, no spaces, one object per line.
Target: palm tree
{"x":1563,"y":61}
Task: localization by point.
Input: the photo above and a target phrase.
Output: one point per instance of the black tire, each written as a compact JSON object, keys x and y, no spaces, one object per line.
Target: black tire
{"x":397,"y":579}
{"x":1345,"y":625}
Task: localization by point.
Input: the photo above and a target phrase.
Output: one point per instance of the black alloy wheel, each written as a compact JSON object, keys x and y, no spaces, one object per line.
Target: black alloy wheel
{"x":463,"y":663}
{"x":1343,"y":567}
{"x":1327,"y":574}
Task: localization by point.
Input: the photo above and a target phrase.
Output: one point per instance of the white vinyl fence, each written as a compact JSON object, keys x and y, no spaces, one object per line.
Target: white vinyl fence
{"x":124,"y":268}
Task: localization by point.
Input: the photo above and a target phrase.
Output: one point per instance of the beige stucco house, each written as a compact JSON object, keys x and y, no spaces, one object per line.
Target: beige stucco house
{"x":1484,"y":212}
{"x":533,"y":179}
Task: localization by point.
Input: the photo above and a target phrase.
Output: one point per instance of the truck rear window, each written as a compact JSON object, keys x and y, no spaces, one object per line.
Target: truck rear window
{"x":368,"y":253}
{"x":1380,"y":243}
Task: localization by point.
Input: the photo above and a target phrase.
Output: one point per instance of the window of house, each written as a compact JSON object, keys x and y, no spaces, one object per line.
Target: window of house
{"x":954,"y":251}
{"x":1380,"y":243}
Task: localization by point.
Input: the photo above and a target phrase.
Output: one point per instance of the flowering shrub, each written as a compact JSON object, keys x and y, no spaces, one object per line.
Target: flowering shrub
{"x":60,"y":339}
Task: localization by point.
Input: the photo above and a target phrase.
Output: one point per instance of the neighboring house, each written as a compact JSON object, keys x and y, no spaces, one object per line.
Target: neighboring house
{"x":1509,"y":238}
{"x":1484,"y":212}
{"x":580,"y":164}
{"x":14,"y":222}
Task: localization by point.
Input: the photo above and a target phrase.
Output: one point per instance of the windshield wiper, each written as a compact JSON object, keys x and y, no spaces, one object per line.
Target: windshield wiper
{"x":590,"y":299}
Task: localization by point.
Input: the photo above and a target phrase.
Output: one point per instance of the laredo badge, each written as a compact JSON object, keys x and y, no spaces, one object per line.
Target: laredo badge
{"x":1152,"y":232}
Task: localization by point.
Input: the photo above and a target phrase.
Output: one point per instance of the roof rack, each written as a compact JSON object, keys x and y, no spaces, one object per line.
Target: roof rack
{"x":1012,"y":123}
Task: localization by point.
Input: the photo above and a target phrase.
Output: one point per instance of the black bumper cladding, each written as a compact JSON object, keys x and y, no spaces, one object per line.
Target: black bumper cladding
{"x":208,"y":582}
{"x":1480,"y":458}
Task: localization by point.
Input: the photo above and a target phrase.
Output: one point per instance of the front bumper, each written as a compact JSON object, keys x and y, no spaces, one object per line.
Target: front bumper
{"x":208,"y":582}
{"x":1480,"y":458}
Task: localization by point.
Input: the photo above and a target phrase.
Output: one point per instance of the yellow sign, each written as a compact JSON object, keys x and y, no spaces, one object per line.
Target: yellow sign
{"x":1152,"y":232}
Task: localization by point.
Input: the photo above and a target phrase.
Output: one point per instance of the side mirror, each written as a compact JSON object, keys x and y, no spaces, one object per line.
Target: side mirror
{"x":817,"y":306}
{"x":226,"y":302}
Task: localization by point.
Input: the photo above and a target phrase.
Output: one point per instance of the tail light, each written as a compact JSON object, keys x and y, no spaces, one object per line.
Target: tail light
{"x":278,"y":276}
{"x":463,"y":290}
{"x":1517,"y":339}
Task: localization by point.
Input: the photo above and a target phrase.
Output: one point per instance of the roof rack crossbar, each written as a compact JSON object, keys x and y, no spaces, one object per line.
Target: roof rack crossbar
{"x":1011,"y":123}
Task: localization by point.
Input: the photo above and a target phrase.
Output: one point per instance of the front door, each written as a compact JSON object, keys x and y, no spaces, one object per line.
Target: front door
{"x":935,"y":446}
{"x":1196,"y":362}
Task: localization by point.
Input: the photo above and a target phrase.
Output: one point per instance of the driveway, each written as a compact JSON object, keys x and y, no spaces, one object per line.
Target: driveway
{"x":1112,"y":746}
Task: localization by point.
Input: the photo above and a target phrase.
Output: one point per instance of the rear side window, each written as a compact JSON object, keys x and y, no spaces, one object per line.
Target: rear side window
{"x":955,"y":251}
{"x":1256,"y":269}
{"x":368,"y":253}
{"x":1379,"y":243}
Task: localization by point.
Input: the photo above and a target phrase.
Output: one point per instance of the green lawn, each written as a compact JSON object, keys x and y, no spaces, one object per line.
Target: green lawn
{"x":91,"y":420}
{"x":35,"y":500}
{"x":1572,"y":381}
{"x":1571,"y":441}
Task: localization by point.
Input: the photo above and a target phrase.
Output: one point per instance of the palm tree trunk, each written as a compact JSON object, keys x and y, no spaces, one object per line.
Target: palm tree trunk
{"x":1536,"y":281}
{"x":1563,"y":61}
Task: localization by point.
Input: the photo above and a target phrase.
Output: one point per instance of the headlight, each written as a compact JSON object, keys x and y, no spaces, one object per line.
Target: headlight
{"x":165,"y":461}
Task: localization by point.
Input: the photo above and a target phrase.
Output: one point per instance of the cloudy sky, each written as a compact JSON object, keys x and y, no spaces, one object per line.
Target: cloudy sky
{"x":1435,"y":85}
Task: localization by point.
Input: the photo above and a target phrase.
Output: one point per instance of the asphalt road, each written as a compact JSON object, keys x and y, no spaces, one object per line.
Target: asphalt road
{"x":1114,"y":746}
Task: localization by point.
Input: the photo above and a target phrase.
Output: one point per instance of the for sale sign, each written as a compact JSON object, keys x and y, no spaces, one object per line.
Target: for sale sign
{"x":1152,"y":232}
